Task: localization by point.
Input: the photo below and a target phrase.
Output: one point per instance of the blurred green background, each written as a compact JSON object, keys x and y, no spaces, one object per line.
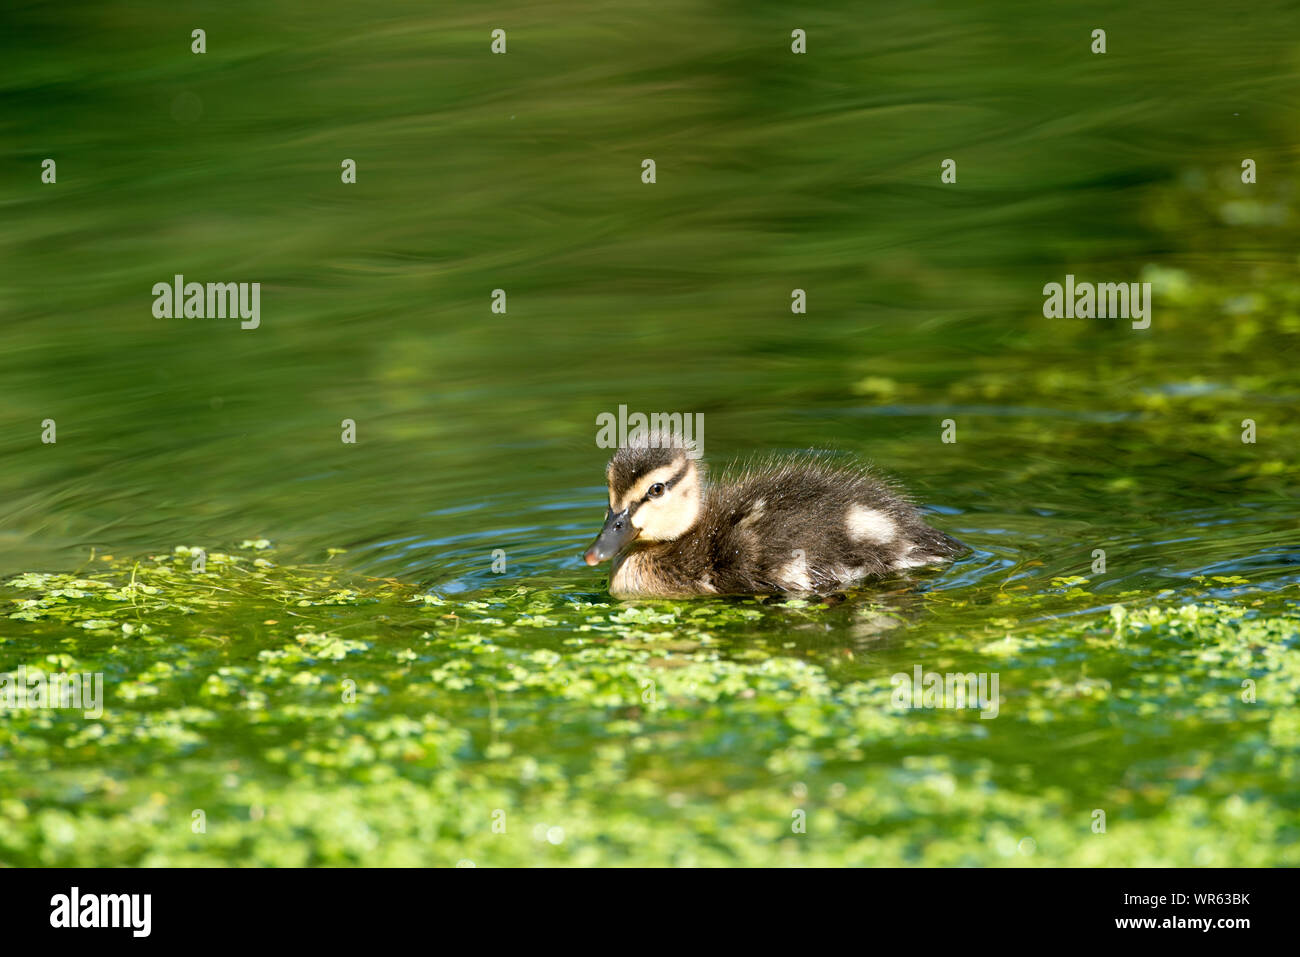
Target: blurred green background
{"x":477,"y":431}
{"x":522,"y":172}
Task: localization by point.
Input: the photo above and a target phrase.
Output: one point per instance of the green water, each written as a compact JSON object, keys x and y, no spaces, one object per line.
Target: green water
{"x":525,"y":691}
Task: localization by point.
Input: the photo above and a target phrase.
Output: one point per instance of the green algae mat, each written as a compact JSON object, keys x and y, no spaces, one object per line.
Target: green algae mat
{"x":280,"y":715}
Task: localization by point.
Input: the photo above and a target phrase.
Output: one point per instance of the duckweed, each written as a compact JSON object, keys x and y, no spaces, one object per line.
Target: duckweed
{"x":278,"y":714}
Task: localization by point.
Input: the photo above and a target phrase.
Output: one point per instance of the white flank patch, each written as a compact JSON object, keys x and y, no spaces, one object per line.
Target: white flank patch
{"x":794,"y":575}
{"x":870,"y":524}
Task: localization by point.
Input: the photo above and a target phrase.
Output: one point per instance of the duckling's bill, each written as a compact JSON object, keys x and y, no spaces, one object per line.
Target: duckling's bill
{"x":618,"y":531}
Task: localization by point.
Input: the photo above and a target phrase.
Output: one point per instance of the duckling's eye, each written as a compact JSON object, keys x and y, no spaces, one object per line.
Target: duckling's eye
{"x":656,"y":490}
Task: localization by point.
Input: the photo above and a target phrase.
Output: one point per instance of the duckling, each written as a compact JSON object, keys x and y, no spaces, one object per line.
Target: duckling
{"x":794,"y":524}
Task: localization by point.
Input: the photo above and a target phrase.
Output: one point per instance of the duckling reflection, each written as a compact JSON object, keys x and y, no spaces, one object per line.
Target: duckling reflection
{"x":797,"y":524}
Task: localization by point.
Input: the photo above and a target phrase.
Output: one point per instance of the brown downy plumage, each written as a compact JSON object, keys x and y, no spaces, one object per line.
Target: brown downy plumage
{"x":794,"y":524}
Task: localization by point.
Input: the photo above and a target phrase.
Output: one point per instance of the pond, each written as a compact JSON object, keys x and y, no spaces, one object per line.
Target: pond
{"x":391,"y":651}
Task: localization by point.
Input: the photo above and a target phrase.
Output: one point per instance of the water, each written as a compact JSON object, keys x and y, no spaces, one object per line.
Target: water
{"x":476,"y":431}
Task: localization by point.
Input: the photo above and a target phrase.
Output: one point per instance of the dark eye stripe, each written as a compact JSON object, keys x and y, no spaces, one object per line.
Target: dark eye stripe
{"x":672,"y":480}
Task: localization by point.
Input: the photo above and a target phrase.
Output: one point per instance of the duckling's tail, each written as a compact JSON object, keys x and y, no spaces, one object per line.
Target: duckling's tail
{"x":941,"y":545}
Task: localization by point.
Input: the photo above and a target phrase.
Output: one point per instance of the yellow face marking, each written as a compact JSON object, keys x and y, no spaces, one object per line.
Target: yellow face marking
{"x":671,"y":515}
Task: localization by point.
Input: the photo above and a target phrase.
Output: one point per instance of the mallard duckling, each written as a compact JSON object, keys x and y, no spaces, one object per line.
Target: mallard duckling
{"x":794,"y":524}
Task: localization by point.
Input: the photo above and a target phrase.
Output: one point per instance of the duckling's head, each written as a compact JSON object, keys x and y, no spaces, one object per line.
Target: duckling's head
{"x":654,"y":496}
